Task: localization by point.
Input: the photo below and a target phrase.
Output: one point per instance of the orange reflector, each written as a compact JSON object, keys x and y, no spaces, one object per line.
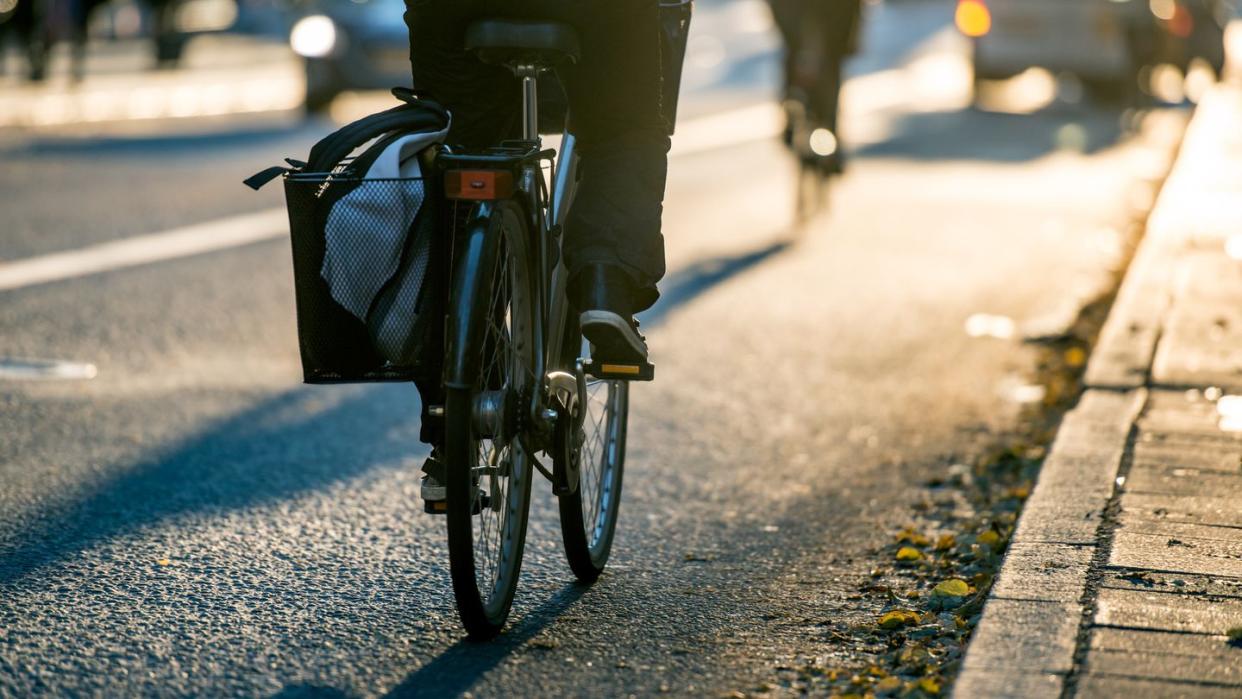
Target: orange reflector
{"x":619,"y":369}
{"x":478,"y":185}
{"x":973,"y":18}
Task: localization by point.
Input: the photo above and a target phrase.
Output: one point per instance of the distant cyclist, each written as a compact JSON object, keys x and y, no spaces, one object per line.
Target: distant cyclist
{"x":819,"y":35}
{"x":613,"y":246}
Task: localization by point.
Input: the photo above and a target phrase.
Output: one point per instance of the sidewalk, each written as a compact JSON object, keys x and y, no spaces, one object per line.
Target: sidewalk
{"x":1124,"y":577}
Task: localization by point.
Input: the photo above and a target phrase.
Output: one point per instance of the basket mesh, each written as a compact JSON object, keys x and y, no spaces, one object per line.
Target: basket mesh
{"x":375,"y":241}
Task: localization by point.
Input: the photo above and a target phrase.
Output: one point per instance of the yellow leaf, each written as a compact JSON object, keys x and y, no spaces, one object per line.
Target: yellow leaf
{"x":909,"y":536}
{"x":951,"y":588}
{"x":898,"y":618}
{"x":946,"y":542}
{"x":907,"y":553}
{"x":1020,"y":493}
{"x":164,"y":562}
{"x":1075,"y":357}
{"x":929,"y":685}
{"x":989,"y":538}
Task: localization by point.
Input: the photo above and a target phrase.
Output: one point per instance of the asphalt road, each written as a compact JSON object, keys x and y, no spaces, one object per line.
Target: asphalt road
{"x":192,"y":521}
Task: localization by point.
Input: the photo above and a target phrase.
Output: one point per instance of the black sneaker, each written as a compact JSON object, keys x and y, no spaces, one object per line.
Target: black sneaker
{"x":604,"y":298}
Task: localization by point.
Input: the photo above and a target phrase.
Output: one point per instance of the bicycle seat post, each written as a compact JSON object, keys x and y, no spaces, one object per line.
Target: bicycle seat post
{"x":529,"y":73}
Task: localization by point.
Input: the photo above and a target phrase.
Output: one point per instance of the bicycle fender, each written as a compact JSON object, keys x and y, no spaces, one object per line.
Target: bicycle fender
{"x":469,"y":295}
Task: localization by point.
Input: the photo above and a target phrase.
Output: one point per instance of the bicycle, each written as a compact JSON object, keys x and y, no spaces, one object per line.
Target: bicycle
{"x":810,"y":137}
{"x":516,"y":377}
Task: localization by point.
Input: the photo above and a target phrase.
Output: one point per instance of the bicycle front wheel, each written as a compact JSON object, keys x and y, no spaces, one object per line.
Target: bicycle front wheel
{"x":589,"y":513}
{"x":488,"y":470}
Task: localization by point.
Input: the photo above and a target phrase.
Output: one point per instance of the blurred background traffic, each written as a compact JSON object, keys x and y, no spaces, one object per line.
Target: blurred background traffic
{"x":303,"y":54}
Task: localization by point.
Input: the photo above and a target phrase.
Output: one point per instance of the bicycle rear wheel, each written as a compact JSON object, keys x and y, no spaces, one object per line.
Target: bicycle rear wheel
{"x":589,"y":513}
{"x":488,"y":474}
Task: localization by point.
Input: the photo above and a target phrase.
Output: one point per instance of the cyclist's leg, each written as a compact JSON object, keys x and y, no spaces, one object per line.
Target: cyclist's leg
{"x":485,"y":100}
{"x":615,"y":99}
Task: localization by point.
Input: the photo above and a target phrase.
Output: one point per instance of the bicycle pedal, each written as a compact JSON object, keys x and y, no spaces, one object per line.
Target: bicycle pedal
{"x":617,"y":371}
{"x":440,"y":507}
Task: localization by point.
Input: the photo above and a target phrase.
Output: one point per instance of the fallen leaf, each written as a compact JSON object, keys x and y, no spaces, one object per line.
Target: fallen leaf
{"x":989,"y":538}
{"x":952,"y":587}
{"x":1075,"y":357}
{"x":946,"y":542}
{"x":898,"y":618}
{"x":929,"y":685}
{"x":1235,"y":634}
{"x":163,"y":562}
{"x":909,"y":536}
{"x":907,"y":554}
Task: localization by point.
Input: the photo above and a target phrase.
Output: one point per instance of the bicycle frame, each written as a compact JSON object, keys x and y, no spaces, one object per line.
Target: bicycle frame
{"x":546,"y":206}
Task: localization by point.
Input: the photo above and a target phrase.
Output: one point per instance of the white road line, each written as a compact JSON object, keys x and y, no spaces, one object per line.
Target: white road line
{"x":705,"y":133}
{"x":144,"y":249}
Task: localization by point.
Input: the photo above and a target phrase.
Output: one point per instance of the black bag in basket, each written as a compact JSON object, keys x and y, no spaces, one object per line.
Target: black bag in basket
{"x":368,"y":261}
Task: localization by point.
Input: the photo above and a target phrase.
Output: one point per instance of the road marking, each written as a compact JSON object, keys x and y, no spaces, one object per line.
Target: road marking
{"x":45,"y":370}
{"x":731,"y":128}
{"x":144,"y":249}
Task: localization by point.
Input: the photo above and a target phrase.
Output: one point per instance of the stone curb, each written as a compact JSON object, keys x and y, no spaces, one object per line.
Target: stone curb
{"x":1028,"y":638}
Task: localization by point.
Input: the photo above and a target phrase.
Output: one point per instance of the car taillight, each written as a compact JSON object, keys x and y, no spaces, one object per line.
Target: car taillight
{"x":973,"y":18}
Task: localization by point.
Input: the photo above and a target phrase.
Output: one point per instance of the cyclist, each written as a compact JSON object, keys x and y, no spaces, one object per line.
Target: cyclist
{"x":613,"y":246}
{"x":819,"y":35}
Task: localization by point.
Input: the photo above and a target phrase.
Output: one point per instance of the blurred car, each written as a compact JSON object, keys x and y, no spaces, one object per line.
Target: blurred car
{"x":1103,"y":42}
{"x":351,"y":45}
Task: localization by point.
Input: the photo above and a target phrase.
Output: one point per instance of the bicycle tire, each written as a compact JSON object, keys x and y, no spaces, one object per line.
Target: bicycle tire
{"x":589,"y":513}
{"x":488,"y":471}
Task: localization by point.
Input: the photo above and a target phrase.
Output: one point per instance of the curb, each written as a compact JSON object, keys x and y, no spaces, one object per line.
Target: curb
{"x":1029,"y":640}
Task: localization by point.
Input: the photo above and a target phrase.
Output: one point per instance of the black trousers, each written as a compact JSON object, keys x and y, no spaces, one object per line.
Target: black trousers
{"x":819,"y":35}
{"x":614,"y":100}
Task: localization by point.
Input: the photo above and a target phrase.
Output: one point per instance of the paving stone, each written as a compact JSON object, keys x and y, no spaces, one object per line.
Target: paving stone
{"x":1093,"y":474}
{"x":1165,"y":656}
{"x":1199,"y":509}
{"x":1003,"y":684}
{"x":1117,"y":410}
{"x":1178,"y":479}
{"x":1226,"y":460}
{"x":1163,"y":611}
{"x":1127,"y":343}
{"x":1093,"y":686}
{"x":1179,"y":583}
{"x":1046,"y":572}
{"x":1068,"y":518}
{"x":1025,"y":636}
{"x":1201,"y":344}
{"x":1181,"y":531}
{"x":1168,"y":553}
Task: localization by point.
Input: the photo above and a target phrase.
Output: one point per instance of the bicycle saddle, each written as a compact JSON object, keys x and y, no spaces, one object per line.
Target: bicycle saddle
{"x":515,"y":41}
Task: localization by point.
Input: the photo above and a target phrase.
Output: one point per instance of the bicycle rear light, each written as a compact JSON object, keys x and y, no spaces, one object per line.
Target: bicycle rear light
{"x":478,"y":185}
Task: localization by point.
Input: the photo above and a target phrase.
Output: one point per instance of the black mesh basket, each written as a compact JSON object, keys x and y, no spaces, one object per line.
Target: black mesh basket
{"x":396,"y":336}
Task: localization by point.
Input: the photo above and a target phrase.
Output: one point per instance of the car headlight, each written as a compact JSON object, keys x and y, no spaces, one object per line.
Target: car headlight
{"x":313,"y":37}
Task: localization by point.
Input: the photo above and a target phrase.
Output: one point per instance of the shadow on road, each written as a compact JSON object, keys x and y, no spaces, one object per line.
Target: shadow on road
{"x":456,"y":670}
{"x":686,"y":284}
{"x":999,"y":137}
{"x":279,"y":449}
